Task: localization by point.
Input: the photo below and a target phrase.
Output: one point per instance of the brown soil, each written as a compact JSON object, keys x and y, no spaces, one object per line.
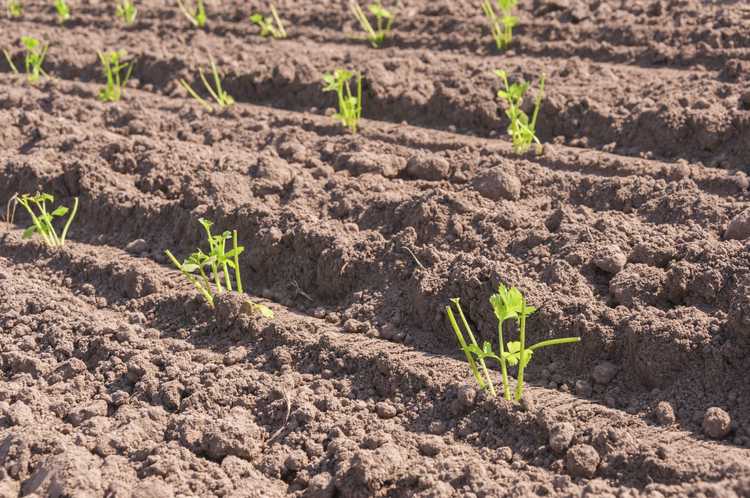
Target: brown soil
{"x":632,"y":230}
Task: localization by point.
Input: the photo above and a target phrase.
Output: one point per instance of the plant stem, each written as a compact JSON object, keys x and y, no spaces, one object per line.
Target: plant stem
{"x":70,"y":220}
{"x":554,"y":342}
{"x":503,"y":365}
{"x":464,"y":348}
{"x":522,"y":351}
{"x":237,"y":275}
{"x":486,"y":372}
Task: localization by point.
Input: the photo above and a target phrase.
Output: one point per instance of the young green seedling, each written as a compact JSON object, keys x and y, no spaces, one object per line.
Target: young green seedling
{"x":33,"y":59}
{"x":201,"y":268}
{"x":350,"y":105}
{"x":384,"y":20}
{"x":195,"y":13}
{"x":63,"y":11}
{"x":222,"y":98}
{"x":269,"y":26}
{"x":521,"y":130}
{"x":126,"y":11}
{"x":502,"y":27}
{"x":483,"y":379}
{"x":42,"y":219}
{"x":507,"y":304}
{"x":14,"y":8}
{"x":113,"y":71}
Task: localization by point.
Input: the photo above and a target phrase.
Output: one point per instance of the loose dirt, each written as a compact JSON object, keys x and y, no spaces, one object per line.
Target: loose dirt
{"x":632,"y":230}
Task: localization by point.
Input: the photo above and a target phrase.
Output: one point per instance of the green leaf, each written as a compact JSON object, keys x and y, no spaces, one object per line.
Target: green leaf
{"x":239,"y":250}
{"x":487,"y":347}
{"x":190,"y":267}
{"x":526,"y":357}
{"x":514,"y":347}
{"x":29,"y":232}
{"x":262,"y":309}
{"x":60,"y":211}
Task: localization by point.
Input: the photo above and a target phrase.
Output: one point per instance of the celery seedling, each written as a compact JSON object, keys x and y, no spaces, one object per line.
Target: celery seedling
{"x":14,"y":8}
{"x":126,"y":11}
{"x":502,"y":28}
{"x":269,"y":26}
{"x":33,"y":59}
{"x":200,"y":268}
{"x":350,"y":106}
{"x":43,"y":219}
{"x":484,"y":380}
{"x":113,"y":69}
{"x":507,"y":304}
{"x":521,"y":130}
{"x":195,"y":13}
{"x":63,"y":11}
{"x":222,"y":98}
{"x":384,"y":20}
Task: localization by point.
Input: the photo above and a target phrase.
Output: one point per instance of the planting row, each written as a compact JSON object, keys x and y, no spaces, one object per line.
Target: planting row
{"x":584,"y":105}
{"x":615,"y":250}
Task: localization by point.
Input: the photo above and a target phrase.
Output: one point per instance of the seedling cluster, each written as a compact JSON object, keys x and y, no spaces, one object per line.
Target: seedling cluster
{"x":521,"y":129}
{"x":350,"y":104}
{"x":210,"y":272}
{"x":383,"y":21}
{"x":194,"y":12}
{"x":222,"y":98}
{"x":36,"y":206}
{"x":269,"y":26}
{"x":14,"y":8}
{"x":63,"y":11}
{"x":507,"y":304}
{"x":126,"y":11}
{"x":501,"y":22}
{"x":33,"y":58}
{"x":117,"y":74}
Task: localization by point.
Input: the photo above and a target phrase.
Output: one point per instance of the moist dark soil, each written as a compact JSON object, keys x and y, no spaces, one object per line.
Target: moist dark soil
{"x":631,"y":230}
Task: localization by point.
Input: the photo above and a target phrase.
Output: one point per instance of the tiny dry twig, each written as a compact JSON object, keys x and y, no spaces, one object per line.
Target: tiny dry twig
{"x":286,"y":419}
{"x":10,"y":208}
{"x":298,"y":290}
{"x":419,"y":263}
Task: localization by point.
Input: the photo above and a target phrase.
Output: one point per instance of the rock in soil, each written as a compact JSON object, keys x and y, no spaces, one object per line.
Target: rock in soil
{"x":582,"y":460}
{"x":717,"y":423}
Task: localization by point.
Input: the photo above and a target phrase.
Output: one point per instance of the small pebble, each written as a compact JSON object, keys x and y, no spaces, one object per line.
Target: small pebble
{"x":664,"y":413}
{"x":385,"y":410}
{"x":560,"y":436}
{"x":610,"y":259}
{"x":604,"y":372}
{"x":137,"y":246}
{"x":582,"y":460}
{"x":716,"y":423}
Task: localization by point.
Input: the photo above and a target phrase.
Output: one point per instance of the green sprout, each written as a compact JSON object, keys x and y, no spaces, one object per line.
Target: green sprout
{"x":521,"y":130}
{"x":195,"y":13}
{"x":126,"y":11}
{"x":222,"y":98}
{"x":201,"y":268}
{"x":42,"y":221}
{"x":35,"y":53}
{"x":14,"y":8}
{"x":384,"y":20}
{"x":113,"y":69}
{"x":269,"y":26}
{"x":502,"y":28}
{"x":63,"y":11}
{"x":507,"y":304}
{"x":350,"y":106}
